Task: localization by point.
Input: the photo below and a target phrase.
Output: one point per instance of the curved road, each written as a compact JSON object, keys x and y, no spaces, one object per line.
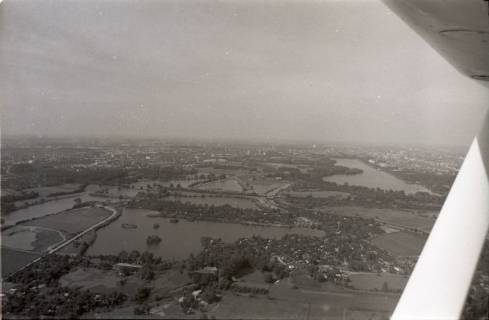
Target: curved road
{"x":67,"y":242}
{"x":81,"y":234}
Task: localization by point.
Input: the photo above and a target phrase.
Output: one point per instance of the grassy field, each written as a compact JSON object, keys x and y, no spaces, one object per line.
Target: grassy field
{"x":285,"y":302}
{"x":168,"y":281}
{"x":303,"y":280}
{"x":365,"y":315}
{"x":372,"y":281}
{"x":71,"y":221}
{"x":408,"y":219}
{"x":401,"y":243}
{"x":99,"y":281}
{"x":239,"y":307}
{"x":106,"y":281}
{"x":13,"y":260}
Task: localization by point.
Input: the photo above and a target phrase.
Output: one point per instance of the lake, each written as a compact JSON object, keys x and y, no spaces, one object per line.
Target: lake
{"x":180,"y":239}
{"x":372,"y":178}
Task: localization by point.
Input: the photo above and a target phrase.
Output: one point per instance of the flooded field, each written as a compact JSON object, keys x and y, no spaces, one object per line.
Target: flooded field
{"x":180,"y":239}
{"x":372,"y":178}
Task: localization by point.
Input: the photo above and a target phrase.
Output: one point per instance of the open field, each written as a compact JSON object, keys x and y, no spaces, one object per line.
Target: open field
{"x":405,"y":218}
{"x":254,"y":277}
{"x":373,"y":281}
{"x":13,"y":260}
{"x":71,"y":221}
{"x":336,"y":299}
{"x":240,"y":307}
{"x":284,"y":302}
{"x":168,"y":281}
{"x":99,"y":281}
{"x":30,"y":238}
{"x":303,"y":280}
{"x":401,"y":243}
{"x":360,"y":314}
{"x":106,"y":281}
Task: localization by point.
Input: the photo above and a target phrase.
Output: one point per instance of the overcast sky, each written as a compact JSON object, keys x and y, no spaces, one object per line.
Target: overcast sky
{"x":301,"y":70}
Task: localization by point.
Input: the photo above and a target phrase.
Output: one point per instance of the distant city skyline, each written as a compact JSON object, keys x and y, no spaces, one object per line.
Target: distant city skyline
{"x":331,"y":71}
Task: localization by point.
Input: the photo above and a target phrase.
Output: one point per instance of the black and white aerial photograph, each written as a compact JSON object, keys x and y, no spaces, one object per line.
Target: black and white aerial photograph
{"x":233,"y":159}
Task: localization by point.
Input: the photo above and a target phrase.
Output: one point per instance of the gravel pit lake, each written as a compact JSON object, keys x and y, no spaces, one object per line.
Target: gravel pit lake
{"x":180,"y":239}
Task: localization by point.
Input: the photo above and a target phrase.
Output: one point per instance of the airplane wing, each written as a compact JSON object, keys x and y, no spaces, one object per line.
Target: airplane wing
{"x":438,"y":286}
{"x":457,"y":29}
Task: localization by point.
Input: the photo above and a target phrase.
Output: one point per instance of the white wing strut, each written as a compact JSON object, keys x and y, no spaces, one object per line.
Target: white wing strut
{"x":438,"y":286}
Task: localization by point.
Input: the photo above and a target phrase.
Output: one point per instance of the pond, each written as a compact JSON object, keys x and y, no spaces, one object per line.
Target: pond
{"x":372,"y":178}
{"x":180,"y":239}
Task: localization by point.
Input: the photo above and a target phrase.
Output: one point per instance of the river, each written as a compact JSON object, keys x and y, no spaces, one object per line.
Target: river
{"x":372,"y":178}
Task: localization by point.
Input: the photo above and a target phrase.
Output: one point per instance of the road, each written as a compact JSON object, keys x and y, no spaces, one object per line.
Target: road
{"x":81,"y":234}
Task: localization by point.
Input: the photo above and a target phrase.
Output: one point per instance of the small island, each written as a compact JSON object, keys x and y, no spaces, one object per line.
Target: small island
{"x":129,"y":226}
{"x":153,"y":240}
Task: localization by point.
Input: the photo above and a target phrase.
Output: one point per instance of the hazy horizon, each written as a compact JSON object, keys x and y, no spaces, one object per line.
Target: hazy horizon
{"x":459,"y":148}
{"x":316,"y":71}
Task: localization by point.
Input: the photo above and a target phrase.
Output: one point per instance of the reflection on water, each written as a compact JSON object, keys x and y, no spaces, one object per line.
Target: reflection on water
{"x":179,"y":239}
{"x":372,"y":178}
